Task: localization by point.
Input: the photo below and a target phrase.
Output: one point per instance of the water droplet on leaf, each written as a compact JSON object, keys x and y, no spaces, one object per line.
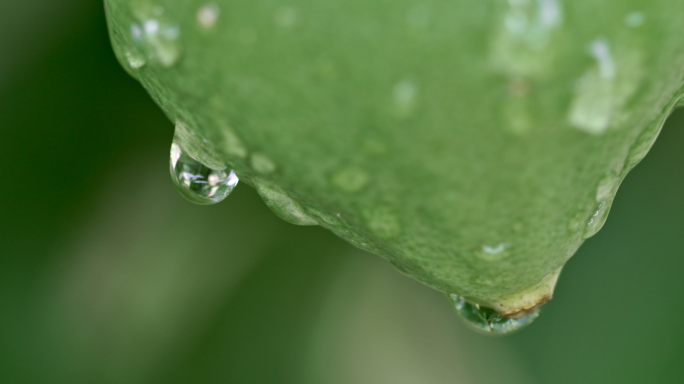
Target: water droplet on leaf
{"x":196,"y":181}
{"x":597,"y":219}
{"x":135,"y":61}
{"x":383,"y":222}
{"x":493,"y":252}
{"x":156,"y":36}
{"x":283,"y":205}
{"x":520,"y":44}
{"x":488,"y":320}
{"x":350,"y":179}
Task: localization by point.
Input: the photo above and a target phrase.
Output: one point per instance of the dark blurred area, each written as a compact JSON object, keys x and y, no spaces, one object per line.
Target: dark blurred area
{"x":108,"y":276}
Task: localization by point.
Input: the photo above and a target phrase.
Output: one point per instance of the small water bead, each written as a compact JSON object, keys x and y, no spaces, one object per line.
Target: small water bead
{"x":283,"y":205}
{"x":488,"y":320}
{"x":157,"y":37}
{"x":520,"y":45}
{"x":197,"y":182}
{"x":208,"y":15}
{"x":383,"y":222}
{"x":493,"y":252}
{"x":592,"y":108}
{"x":135,"y":60}
{"x":601,"y":52}
{"x":597,"y":219}
{"x":350,"y":179}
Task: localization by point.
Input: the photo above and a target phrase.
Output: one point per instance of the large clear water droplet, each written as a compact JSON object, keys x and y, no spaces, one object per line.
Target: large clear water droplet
{"x":488,"y":320}
{"x":197,"y":182}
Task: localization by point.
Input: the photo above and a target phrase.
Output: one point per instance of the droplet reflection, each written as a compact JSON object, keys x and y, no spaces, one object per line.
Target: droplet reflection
{"x":488,"y":320}
{"x":197,"y":182}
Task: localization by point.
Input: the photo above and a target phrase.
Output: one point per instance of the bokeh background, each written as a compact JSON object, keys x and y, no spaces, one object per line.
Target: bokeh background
{"x":108,"y":276}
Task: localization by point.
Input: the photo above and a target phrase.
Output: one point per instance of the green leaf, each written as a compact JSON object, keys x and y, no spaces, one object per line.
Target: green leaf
{"x":475,"y":145}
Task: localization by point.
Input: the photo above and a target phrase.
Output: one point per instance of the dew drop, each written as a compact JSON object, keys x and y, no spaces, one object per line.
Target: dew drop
{"x":283,"y":205}
{"x":208,"y":15}
{"x":597,"y":219}
{"x":350,"y":179}
{"x":197,"y":182}
{"x":135,"y":60}
{"x":493,"y":252}
{"x":520,"y":45}
{"x":489,"y":321}
{"x":156,"y":36}
{"x":593,"y":105}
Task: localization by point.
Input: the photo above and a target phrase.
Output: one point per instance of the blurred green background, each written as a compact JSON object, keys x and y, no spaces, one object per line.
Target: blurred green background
{"x":108,"y":276}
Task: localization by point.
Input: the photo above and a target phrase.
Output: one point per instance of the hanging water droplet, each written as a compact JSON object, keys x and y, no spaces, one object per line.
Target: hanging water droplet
{"x":488,"y":320}
{"x":208,"y":15}
{"x":197,"y":182}
{"x":283,"y":205}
